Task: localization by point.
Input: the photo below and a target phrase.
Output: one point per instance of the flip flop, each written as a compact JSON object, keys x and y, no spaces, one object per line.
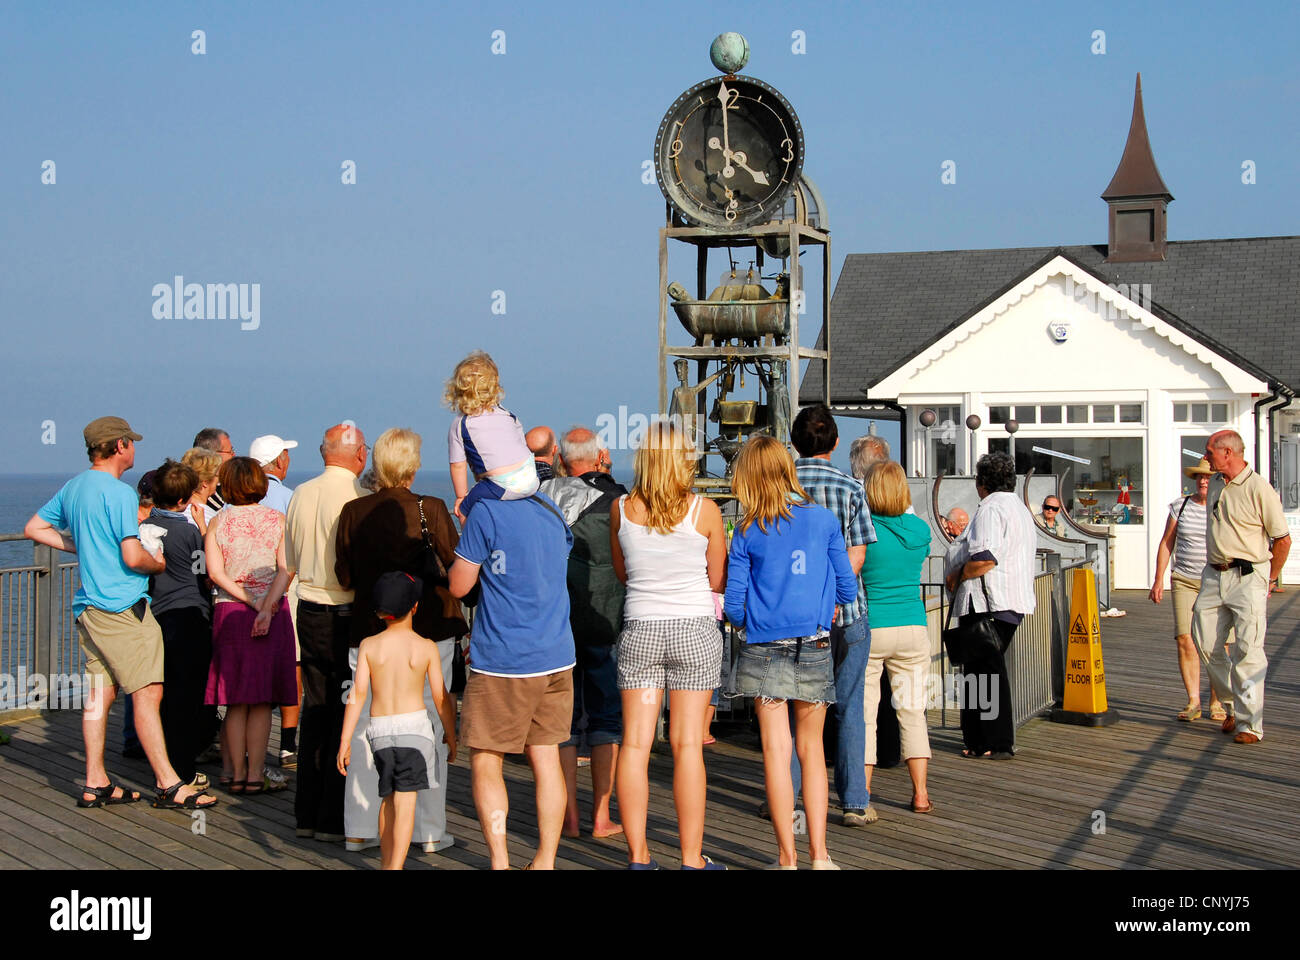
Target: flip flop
{"x":707,"y":742}
{"x":1190,"y":712}
{"x":929,"y":806}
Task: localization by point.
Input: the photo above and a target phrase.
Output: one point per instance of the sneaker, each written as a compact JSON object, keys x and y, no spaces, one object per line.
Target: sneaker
{"x":275,"y":780}
{"x":708,"y":865}
{"x":356,"y":846}
{"x":825,"y":865}
{"x":652,"y":865}
{"x":437,"y":846}
{"x":288,"y":759}
{"x":854,"y":817}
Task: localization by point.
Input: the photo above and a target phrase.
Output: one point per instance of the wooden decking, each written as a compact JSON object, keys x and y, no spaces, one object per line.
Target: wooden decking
{"x":1172,"y":794}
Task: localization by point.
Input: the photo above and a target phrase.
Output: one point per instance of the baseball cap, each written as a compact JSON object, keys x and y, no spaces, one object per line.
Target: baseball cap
{"x":108,"y":428}
{"x":395,"y":594}
{"x":267,"y":448}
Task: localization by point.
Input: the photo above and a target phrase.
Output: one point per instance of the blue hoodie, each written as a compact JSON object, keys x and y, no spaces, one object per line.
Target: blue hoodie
{"x":785,"y":583}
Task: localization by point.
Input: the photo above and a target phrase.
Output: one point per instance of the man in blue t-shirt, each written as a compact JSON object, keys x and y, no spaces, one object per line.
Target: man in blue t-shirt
{"x":119,"y":635}
{"x":519,"y":695}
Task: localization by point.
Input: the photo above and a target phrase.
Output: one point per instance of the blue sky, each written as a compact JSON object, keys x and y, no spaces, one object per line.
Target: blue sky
{"x":521,"y":173}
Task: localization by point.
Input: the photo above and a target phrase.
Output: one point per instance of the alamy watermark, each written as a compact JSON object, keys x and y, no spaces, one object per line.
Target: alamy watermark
{"x":179,"y":300}
{"x":39,"y":691}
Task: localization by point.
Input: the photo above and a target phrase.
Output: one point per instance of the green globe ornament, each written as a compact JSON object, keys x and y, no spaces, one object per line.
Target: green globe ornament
{"x":729,"y":52}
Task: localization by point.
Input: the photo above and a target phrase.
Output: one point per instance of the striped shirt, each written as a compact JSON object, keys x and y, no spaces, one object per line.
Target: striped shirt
{"x":1001,"y":530}
{"x":843,"y":496}
{"x":1189,"y":540}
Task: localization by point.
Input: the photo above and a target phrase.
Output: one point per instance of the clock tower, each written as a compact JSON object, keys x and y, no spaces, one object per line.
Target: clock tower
{"x":728,"y":158}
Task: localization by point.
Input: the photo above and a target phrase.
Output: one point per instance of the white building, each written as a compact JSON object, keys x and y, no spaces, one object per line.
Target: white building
{"x":1115,"y":361}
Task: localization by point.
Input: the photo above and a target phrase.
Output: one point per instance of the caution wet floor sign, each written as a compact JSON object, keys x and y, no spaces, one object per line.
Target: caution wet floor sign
{"x":1085,"y":672}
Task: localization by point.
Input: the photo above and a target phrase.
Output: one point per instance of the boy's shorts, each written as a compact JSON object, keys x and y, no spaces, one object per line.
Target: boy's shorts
{"x":404,"y":752}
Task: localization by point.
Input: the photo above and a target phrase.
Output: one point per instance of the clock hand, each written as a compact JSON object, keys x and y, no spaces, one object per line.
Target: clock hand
{"x":723,"y":95}
{"x":728,"y":171}
{"x":739,"y":158}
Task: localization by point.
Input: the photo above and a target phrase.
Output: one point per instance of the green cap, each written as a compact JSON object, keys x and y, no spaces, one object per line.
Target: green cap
{"x":108,"y":428}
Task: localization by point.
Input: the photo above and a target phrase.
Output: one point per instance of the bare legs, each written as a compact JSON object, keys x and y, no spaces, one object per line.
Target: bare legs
{"x":640,"y":713}
{"x":1189,"y":665}
{"x":245,"y":735}
{"x":604,"y":758}
{"x":774,"y":725}
{"x":396,"y":823}
{"x":493,"y":804}
{"x":148,"y":727}
{"x":690,"y":789}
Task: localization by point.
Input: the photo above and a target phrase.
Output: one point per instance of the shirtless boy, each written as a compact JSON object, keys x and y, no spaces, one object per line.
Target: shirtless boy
{"x":394,"y":666}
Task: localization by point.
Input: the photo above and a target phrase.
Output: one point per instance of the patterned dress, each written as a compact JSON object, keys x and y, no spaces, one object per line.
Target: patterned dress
{"x":247,"y":669}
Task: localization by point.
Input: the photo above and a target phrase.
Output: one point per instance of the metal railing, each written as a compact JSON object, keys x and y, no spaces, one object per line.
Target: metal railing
{"x":1030,"y":659}
{"x":38,"y":637}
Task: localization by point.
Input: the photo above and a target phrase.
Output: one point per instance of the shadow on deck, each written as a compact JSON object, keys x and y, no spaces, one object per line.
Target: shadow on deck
{"x":1148,"y":792}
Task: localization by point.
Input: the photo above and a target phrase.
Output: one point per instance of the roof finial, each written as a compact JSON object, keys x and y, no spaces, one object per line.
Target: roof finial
{"x":1137,"y":175}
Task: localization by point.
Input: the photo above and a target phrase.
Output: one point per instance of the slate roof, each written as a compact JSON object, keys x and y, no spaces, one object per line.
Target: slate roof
{"x":1240,"y":297}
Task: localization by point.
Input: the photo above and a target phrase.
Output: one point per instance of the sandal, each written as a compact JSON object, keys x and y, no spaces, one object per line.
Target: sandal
{"x":976,"y":754}
{"x":254,"y":787}
{"x":1218,"y":714}
{"x":235,"y":787}
{"x":922,"y":808}
{"x":166,"y":799}
{"x":104,"y":796}
{"x":1190,"y":712}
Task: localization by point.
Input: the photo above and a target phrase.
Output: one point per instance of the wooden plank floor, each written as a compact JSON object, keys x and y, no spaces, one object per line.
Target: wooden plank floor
{"x":1173,"y":795}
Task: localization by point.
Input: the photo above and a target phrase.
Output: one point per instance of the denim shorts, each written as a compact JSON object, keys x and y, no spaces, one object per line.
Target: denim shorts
{"x":768,"y":671}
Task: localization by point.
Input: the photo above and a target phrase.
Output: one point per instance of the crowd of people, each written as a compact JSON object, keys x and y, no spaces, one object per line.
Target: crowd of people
{"x":213,"y":588}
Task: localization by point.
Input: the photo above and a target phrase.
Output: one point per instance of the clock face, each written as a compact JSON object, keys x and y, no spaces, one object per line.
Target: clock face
{"x":728,"y":151}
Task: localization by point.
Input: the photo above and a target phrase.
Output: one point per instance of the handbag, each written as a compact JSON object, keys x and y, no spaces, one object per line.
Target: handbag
{"x":974,"y":638}
{"x":433,"y":569}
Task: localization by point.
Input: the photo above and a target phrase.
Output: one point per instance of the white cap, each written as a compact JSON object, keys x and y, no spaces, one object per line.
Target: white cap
{"x":265,"y":449}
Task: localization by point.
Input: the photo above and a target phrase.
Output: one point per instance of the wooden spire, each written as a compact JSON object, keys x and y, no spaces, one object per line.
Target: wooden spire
{"x":1137,"y":198}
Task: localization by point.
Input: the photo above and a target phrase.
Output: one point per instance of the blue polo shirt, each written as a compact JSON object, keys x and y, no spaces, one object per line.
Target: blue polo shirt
{"x":101,"y":512}
{"x":521,"y":627}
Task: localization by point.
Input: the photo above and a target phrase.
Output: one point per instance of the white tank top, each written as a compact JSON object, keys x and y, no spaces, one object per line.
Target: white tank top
{"x":667,"y":574}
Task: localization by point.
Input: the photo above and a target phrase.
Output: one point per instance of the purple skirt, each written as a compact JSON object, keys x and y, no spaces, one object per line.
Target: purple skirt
{"x":247,"y":669}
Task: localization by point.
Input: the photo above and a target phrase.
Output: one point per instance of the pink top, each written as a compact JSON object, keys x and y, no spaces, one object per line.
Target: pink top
{"x":248,"y":538}
{"x":496,"y":439}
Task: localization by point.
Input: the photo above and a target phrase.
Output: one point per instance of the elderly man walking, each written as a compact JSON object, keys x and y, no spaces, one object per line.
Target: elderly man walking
{"x":324,"y":628}
{"x":121,"y":639}
{"x":519,"y":695}
{"x":1247,"y":531}
{"x":596,"y":595}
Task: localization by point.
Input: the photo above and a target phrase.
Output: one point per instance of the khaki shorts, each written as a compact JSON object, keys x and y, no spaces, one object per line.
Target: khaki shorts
{"x":506,"y":714}
{"x":1185,"y":592}
{"x":126,"y":652}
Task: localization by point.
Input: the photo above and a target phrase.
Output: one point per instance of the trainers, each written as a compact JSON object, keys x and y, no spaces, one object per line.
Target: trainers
{"x":860,"y":817}
{"x":825,"y":865}
{"x":652,"y":865}
{"x":708,"y":865}
{"x":288,"y":759}
{"x":275,"y":780}
{"x":437,"y":846}
{"x":356,"y":846}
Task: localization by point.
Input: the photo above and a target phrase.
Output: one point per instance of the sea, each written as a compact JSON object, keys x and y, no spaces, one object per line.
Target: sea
{"x":21,"y":495}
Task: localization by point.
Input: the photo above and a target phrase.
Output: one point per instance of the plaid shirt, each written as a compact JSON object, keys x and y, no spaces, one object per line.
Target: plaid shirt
{"x":843,"y":496}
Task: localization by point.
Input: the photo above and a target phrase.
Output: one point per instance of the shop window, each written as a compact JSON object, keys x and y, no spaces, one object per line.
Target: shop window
{"x":1027,"y":414}
{"x":1000,"y":445}
{"x":1103,"y":413}
{"x":999,"y":414}
{"x":943,"y":441}
{"x":1200,"y":413}
{"x":1076,"y":413}
{"x":1048,"y":414}
{"x":1130,"y":413}
{"x":1191,"y":451}
{"x":1101,"y":477}
{"x":1219,"y":412}
{"x":1180,"y":413}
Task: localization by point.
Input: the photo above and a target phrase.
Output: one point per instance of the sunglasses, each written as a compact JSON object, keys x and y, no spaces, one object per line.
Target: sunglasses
{"x":1047,"y":509}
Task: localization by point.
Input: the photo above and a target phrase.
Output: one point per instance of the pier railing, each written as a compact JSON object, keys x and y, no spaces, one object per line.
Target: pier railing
{"x":40,"y":657}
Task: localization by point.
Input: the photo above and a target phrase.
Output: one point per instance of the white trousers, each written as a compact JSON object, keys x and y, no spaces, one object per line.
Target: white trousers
{"x":361,"y":796}
{"x":1230,"y":600}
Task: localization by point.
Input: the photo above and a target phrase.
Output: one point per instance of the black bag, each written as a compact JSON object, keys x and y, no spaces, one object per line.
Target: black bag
{"x":975,"y":637}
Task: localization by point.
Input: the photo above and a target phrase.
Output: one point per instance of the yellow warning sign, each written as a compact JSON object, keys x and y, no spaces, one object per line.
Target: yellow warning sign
{"x":1085,"y":675}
